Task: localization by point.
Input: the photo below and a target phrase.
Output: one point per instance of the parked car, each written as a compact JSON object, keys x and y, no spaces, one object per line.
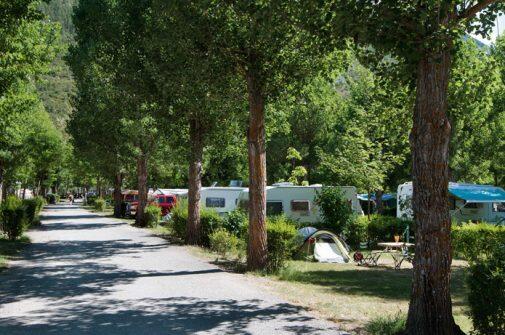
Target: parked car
{"x":165,"y":201}
{"x":130,"y":202}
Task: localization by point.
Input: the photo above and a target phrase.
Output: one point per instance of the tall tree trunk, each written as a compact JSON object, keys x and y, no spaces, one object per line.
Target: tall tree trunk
{"x":1,"y":183}
{"x":118,"y":199}
{"x":98,"y":186}
{"x":257,"y":248}
{"x":379,"y":205}
{"x":193,"y":230}
{"x":24,"y":193}
{"x":430,"y":309}
{"x":140,"y":219}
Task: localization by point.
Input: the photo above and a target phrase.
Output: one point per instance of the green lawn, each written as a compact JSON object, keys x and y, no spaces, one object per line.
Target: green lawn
{"x":352,"y":295}
{"x":9,"y":249}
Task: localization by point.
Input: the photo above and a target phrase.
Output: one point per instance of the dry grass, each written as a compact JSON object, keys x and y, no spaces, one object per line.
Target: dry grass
{"x":351,"y":295}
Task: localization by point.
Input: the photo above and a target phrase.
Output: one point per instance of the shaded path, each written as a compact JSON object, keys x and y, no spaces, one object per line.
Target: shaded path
{"x":87,"y":274}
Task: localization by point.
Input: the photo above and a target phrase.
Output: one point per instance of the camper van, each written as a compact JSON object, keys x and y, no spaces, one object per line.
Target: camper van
{"x":298,"y":202}
{"x":467,"y":202}
{"x":222,"y":199}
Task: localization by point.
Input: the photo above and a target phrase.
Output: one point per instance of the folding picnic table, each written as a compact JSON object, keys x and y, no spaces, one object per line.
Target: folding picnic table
{"x":399,"y":251}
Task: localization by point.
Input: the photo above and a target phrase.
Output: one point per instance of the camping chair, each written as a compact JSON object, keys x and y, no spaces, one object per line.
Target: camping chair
{"x":368,"y":259}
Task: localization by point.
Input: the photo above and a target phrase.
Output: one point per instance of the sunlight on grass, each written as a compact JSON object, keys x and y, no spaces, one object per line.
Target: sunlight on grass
{"x":352,"y":295}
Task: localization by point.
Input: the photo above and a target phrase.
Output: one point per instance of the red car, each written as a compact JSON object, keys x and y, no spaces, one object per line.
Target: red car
{"x":166,"y":202}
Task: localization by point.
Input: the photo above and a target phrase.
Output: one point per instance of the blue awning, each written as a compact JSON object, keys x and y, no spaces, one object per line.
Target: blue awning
{"x":477,"y":193}
{"x":385,"y":197}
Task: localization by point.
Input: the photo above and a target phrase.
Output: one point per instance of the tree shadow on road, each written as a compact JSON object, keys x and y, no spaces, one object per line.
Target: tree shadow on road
{"x":177,"y":315}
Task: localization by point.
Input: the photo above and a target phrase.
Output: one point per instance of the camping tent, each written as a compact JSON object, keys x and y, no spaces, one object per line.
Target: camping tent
{"x":323,"y":246}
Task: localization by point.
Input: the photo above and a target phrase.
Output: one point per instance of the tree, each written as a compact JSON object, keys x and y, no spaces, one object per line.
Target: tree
{"x":496,"y":148}
{"x":421,"y":33}
{"x":263,"y":45}
{"x":115,"y":32}
{"x":26,"y":49}
{"x":196,"y":92}
{"x":474,"y":84}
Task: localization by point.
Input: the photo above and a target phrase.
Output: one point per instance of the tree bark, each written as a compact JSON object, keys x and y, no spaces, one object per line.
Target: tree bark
{"x":1,"y":183}
{"x":379,"y":205}
{"x":193,"y":230}
{"x":430,"y":309}
{"x":140,"y":218}
{"x":118,"y":199}
{"x":257,"y":248}
{"x":99,"y":186}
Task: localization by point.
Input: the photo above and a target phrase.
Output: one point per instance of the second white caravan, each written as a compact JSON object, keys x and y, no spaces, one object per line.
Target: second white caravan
{"x":299,"y":202}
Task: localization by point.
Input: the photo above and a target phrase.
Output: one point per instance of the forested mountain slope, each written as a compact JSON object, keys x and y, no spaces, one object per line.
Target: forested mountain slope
{"x":57,"y":87}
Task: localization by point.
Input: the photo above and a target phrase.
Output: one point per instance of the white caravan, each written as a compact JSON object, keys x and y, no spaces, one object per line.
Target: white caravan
{"x":298,"y":202}
{"x":222,"y":199}
{"x":467,"y":202}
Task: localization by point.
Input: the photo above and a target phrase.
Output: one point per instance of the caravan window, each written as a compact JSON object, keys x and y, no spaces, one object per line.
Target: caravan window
{"x":300,"y":205}
{"x":473,"y":205}
{"x":499,"y":207}
{"x":274,"y":207}
{"x":214,"y":202}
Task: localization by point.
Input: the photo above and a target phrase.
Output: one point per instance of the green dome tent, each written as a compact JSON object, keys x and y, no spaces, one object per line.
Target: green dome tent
{"x":323,"y":246}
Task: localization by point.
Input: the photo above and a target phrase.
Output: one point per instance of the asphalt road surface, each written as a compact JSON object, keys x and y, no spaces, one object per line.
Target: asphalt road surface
{"x":88,"y":274}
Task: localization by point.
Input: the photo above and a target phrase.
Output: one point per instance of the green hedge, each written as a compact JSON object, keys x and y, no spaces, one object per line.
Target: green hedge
{"x":100,"y":205}
{"x":52,"y":199}
{"x":90,"y":200}
{"x":13,"y":217}
{"x":236,"y":223}
{"x":281,"y":242}
{"x":209,"y":220}
{"x":33,"y":207}
{"x":486,"y":281}
{"x":378,"y":229}
{"x":223,"y":242}
{"x":153,"y":215}
{"x":472,"y":241}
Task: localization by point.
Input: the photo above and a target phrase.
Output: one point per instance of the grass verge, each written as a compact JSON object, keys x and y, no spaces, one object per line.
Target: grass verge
{"x":9,"y":249}
{"x":352,"y":296}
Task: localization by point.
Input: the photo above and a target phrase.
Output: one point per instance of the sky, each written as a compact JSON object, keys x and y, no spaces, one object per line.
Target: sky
{"x":499,"y":28}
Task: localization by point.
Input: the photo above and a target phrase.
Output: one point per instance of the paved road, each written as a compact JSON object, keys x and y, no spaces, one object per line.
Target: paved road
{"x":87,"y":274}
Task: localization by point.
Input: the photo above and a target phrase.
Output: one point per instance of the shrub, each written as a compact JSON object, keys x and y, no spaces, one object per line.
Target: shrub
{"x":222,"y":242}
{"x":384,"y":228}
{"x":100,"y":205}
{"x":179,"y":219}
{"x":90,"y":200}
{"x":13,"y":217}
{"x":335,"y":209}
{"x":40,"y":201}
{"x":52,"y":199}
{"x":386,"y":325}
{"x":471,"y":241}
{"x":153,"y":215}
{"x":32,"y":209}
{"x":236,"y":223}
{"x":281,"y":235}
{"x":486,"y":281}
{"x":356,"y":232}
{"x":209,"y":221}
